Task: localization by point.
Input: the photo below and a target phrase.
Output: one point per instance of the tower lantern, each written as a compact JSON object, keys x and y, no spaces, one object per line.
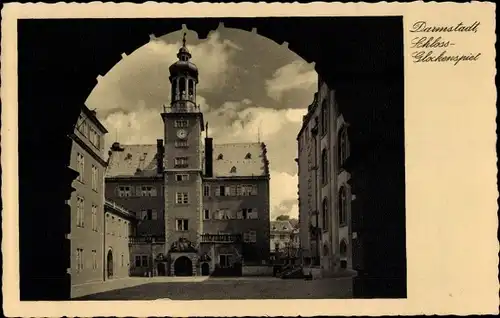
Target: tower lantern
{"x":183,"y":79}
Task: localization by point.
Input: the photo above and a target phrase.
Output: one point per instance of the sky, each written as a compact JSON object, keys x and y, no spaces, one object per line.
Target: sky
{"x":246,"y":81}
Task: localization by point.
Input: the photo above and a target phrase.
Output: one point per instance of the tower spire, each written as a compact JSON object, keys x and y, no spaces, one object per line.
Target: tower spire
{"x":184,"y":40}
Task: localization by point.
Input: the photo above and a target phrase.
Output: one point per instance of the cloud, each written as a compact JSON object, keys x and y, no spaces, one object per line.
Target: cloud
{"x":144,"y":74}
{"x":283,"y":194}
{"x":294,"y":76}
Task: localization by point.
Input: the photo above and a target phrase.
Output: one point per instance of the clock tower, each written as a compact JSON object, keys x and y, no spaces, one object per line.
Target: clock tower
{"x":183,"y":126}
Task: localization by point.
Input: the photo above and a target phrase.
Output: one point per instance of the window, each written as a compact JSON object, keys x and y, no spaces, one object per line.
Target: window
{"x":248,"y":156}
{"x":250,"y":237}
{"x":324,"y":117}
{"x":182,"y":225}
{"x":149,"y":214}
{"x":206,"y":190}
{"x":124,"y":191}
{"x":343,"y":248}
{"x":325,"y":214}
{"x":112,"y":225}
{"x":80,"y":167}
{"x":181,"y":198}
{"x":148,"y":191}
{"x":220,"y":157}
{"x":137,"y":261}
{"x":342,"y":207}
{"x":233,"y":170}
{"x":250,"y":214}
{"x":95,"y":177}
{"x":181,"y":144}
{"x":79,"y":260}
{"x":94,"y":259}
{"x":182,"y":177}
{"x":343,"y":147}
{"x":223,"y":214}
{"x":80,"y":212}
{"x":181,"y":123}
{"x":246,"y":190}
{"x":144,"y":262}
{"x":324,"y":167}
{"x":271,"y":236}
{"x":282,"y":236}
{"x":206,"y":214}
{"x":181,"y":162}
{"x":94,"y":217}
{"x":122,"y":260}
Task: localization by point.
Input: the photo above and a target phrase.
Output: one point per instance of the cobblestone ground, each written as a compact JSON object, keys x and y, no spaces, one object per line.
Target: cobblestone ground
{"x":231,"y":288}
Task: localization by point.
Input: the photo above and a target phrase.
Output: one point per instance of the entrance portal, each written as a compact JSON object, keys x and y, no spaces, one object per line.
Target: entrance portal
{"x":110,"y":264}
{"x":161,"y":269}
{"x":183,"y":266}
{"x":205,"y":269}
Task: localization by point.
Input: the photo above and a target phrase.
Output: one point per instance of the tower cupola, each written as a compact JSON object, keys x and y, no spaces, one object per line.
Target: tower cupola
{"x":183,"y":79}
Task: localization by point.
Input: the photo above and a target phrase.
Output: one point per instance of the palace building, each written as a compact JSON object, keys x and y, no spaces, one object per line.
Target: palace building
{"x":325,"y":197}
{"x":202,"y":208}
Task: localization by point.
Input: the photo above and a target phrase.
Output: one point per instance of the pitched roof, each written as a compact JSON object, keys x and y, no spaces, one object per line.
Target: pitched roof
{"x":229,"y":160}
{"x":132,"y":160}
{"x":239,"y":160}
{"x":281,"y":226}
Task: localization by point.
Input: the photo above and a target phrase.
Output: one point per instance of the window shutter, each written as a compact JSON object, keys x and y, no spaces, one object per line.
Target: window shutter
{"x":227,"y":191}
{"x":153,"y":191}
{"x":239,"y":214}
{"x":137,"y":191}
{"x":117,"y":191}
{"x":217,"y":191}
{"x":154,"y":215}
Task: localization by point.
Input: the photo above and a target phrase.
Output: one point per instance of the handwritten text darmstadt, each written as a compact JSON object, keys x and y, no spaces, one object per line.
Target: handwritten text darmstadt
{"x":434,"y":48}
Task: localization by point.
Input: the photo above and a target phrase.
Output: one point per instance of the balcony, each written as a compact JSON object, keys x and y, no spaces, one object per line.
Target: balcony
{"x":186,"y":106}
{"x":221,"y":238}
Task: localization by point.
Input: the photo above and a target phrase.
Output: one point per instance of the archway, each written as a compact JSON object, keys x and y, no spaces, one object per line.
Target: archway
{"x":109,"y":264}
{"x":183,"y":266}
{"x":205,"y":269}
{"x":372,"y":73}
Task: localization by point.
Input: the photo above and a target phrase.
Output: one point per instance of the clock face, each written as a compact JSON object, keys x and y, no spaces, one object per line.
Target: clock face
{"x":182,"y":134}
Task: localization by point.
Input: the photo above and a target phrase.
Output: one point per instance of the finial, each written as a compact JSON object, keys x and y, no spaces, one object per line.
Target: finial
{"x":184,"y":39}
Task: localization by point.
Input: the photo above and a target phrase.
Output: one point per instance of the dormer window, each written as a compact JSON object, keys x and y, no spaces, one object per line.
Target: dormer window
{"x":233,"y":169}
{"x":248,"y":156}
{"x":220,"y":157}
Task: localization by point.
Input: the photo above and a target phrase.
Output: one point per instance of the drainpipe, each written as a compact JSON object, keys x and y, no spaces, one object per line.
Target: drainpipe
{"x":104,"y":260}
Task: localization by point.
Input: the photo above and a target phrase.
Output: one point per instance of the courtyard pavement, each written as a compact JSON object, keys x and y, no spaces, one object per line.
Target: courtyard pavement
{"x":204,"y":288}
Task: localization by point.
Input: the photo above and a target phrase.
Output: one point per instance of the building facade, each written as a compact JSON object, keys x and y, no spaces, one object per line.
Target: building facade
{"x":201,"y":206}
{"x":87,"y":201}
{"x":324,"y":192}
{"x":283,"y":235}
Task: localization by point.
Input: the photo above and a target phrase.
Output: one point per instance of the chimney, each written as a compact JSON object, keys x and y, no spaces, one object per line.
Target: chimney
{"x":209,"y":170}
{"x":159,"y":155}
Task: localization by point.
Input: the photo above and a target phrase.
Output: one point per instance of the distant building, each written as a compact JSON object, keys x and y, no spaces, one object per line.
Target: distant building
{"x":283,"y":235}
{"x":200,"y":208}
{"x":87,"y":201}
{"x":324,"y":192}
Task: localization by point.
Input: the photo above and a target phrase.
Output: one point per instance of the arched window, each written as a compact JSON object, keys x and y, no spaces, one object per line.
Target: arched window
{"x":342,"y":207}
{"x":220,"y":157}
{"x":248,"y":156}
{"x":182,"y":87}
{"x":324,"y":166}
{"x":174,"y":89}
{"x":343,"y":248}
{"x":191,"y":88}
{"x":325,"y":214}
{"x":343,"y":147}
{"x":324,"y":117}
{"x":233,"y":169}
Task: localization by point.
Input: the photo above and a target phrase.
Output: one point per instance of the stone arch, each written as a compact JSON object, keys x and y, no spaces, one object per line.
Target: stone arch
{"x":89,"y":59}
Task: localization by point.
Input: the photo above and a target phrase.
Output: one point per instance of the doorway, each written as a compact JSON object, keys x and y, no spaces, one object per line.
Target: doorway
{"x":183,"y":266}
{"x":161,"y":269}
{"x":205,"y":269}
{"x":110,"y":264}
